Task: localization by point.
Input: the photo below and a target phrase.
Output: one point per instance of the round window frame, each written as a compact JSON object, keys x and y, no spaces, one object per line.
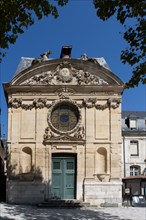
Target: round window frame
{"x":55,"y":105}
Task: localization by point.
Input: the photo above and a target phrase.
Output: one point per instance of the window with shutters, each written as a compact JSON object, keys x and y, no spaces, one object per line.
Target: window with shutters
{"x":134,"y":151}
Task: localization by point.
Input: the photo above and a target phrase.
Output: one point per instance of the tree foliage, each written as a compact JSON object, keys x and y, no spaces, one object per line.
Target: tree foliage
{"x":135,"y":34}
{"x":18,"y":15}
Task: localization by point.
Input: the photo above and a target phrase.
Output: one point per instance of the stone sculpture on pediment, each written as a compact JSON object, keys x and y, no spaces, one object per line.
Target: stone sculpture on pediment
{"x":44,"y":57}
{"x":65,"y":74}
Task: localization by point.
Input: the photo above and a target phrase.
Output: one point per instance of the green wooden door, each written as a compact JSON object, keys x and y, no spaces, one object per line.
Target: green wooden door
{"x":63,"y":178}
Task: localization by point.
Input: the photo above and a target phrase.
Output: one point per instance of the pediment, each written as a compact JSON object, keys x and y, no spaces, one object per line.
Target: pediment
{"x":66,"y":72}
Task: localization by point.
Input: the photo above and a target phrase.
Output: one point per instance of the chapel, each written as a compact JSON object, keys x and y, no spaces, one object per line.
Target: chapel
{"x":64,"y":131}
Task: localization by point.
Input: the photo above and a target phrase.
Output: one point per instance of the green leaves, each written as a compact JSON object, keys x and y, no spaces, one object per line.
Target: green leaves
{"x":62,"y":2}
{"x":105,"y":9}
{"x":18,"y":15}
{"x":135,"y":34}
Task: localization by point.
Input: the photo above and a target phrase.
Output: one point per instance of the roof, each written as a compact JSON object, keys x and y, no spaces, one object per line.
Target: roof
{"x":49,"y":75}
{"x":138,"y":114}
{"x":26,"y":62}
{"x":140,"y":117}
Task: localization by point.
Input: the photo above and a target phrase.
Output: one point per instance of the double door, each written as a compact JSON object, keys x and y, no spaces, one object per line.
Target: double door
{"x":63,"y":178}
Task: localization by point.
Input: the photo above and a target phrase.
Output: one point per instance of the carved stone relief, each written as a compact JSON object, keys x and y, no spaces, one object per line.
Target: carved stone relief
{"x":44,"y":103}
{"x":65,"y":73}
{"x":44,"y":57}
{"x":52,"y":132}
{"x":93,"y":102}
{"x":35,"y":103}
{"x":78,"y":134}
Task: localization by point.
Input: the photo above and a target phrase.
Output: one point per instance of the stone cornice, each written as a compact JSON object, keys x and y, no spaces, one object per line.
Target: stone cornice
{"x":78,"y":90}
{"x":133,"y":133}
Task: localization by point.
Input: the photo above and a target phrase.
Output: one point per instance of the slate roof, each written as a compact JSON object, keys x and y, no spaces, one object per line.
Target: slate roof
{"x":25,"y":62}
{"x":140,"y":116}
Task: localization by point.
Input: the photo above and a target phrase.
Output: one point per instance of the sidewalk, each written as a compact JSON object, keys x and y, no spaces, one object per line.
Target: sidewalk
{"x":21,"y":212}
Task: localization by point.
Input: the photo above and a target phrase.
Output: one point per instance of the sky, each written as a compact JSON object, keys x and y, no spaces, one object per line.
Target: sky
{"x":79,"y":27}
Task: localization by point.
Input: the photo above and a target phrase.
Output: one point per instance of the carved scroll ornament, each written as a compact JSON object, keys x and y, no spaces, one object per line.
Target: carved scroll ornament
{"x":78,"y":134}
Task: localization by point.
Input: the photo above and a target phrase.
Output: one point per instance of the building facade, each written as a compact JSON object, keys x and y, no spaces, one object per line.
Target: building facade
{"x":64,"y":131}
{"x":134,"y":143}
{"x":134,"y":153}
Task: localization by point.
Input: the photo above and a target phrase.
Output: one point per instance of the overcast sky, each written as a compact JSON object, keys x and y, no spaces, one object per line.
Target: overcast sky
{"x":78,"y":26}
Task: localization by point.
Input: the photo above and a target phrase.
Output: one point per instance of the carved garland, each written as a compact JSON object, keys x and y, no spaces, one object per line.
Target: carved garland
{"x":36,"y":103}
{"x":111,"y":103}
{"x":44,"y":103}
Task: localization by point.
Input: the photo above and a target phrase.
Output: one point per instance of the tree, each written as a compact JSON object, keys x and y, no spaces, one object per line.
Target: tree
{"x":18,"y":15}
{"x":135,"y":35}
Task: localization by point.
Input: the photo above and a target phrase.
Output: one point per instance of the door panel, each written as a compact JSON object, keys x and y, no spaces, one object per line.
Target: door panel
{"x":69,"y":178}
{"x":63,"y":178}
{"x":56,"y":179}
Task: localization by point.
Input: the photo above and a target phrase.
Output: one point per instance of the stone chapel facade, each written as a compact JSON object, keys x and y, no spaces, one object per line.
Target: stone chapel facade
{"x":64,"y":132}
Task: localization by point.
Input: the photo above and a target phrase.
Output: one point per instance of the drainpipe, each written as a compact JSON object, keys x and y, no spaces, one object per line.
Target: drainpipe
{"x":124,"y":156}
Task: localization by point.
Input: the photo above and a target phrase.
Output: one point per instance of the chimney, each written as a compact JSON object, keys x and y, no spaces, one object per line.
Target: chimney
{"x":66,"y":52}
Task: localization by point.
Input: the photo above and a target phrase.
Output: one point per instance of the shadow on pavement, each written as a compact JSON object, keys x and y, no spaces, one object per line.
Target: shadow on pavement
{"x":19,"y":212}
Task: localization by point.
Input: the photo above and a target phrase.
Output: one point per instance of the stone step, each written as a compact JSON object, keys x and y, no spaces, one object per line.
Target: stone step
{"x":63,"y":204}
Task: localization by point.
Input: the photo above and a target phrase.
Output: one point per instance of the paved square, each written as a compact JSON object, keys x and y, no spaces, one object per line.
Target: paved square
{"x":20,"y":212}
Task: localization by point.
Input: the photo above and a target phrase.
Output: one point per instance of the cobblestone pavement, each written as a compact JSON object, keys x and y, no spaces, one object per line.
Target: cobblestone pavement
{"x":20,"y":212}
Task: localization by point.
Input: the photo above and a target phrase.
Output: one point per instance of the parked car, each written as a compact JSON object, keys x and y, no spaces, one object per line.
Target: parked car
{"x":138,"y":201}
